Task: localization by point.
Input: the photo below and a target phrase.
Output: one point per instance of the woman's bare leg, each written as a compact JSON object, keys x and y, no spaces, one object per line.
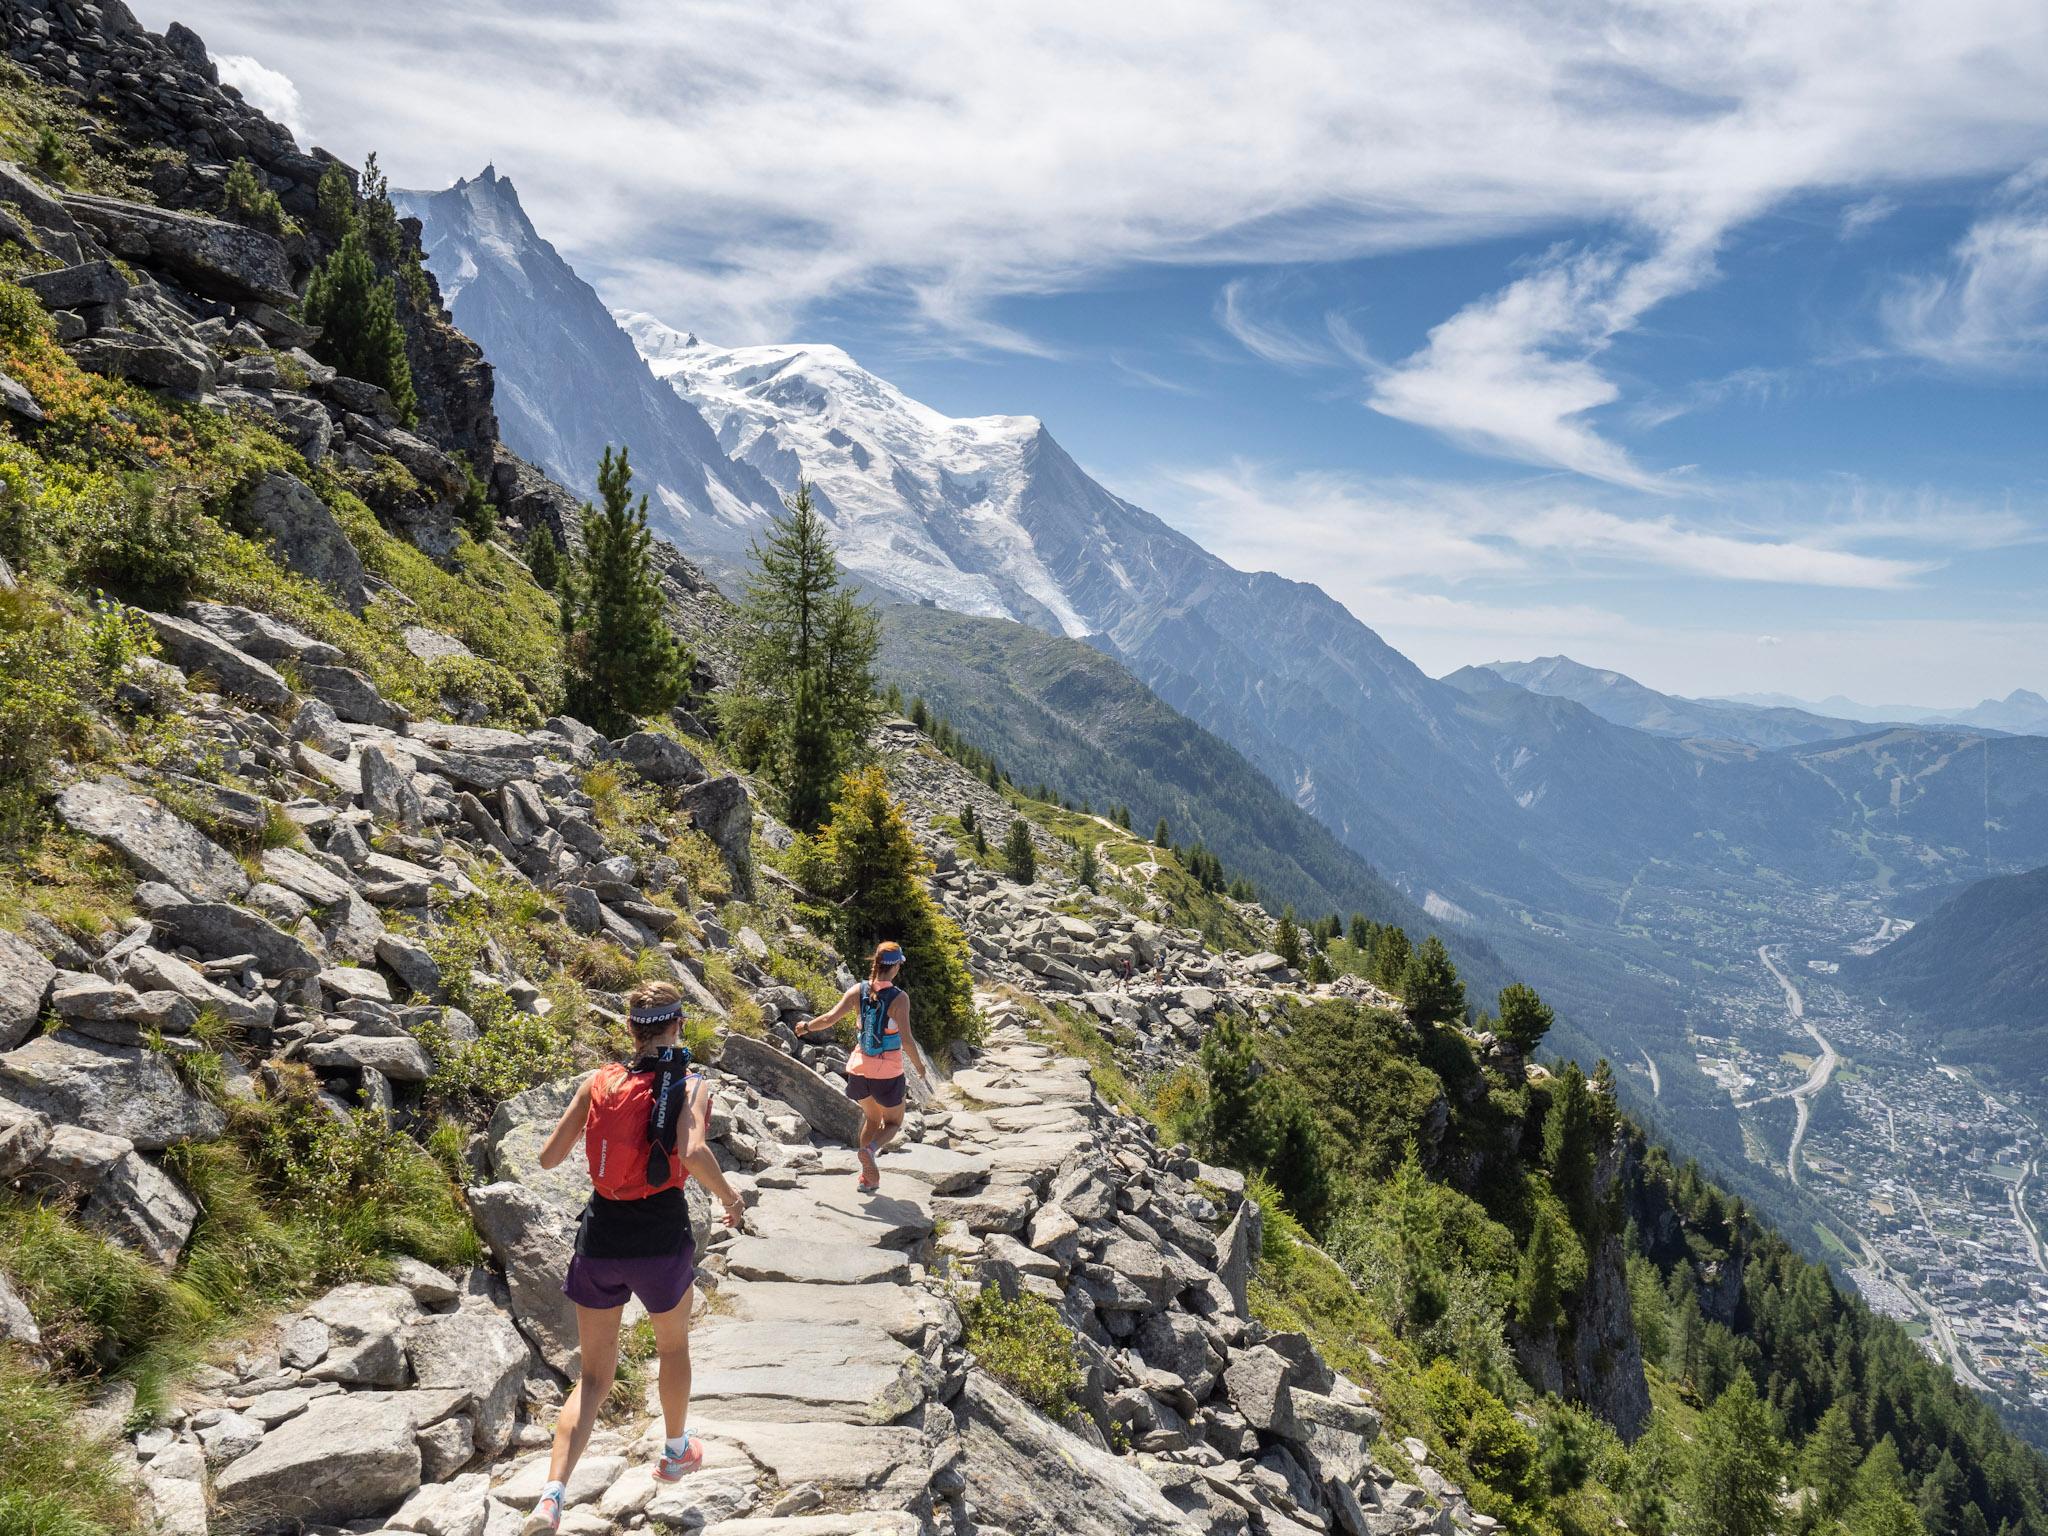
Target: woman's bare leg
{"x":672,"y":1348}
{"x":597,"y":1337}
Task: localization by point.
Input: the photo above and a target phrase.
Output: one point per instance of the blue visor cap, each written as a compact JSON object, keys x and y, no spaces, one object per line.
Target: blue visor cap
{"x":891,"y":956}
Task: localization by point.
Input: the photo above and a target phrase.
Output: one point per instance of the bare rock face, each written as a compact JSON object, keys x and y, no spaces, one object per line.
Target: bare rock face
{"x":307,"y":537}
{"x":1028,"y":1475}
{"x":724,"y":812}
{"x":25,"y":977}
{"x":203,"y":653}
{"x":117,"y":1090}
{"x":347,"y":1457}
{"x":219,"y":928}
{"x":532,"y":1242}
{"x":158,"y":844}
{"x":221,"y":260}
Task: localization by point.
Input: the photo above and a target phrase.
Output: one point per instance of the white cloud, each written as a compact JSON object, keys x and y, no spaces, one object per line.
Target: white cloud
{"x":1264,"y":338}
{"x":1866,"y":214}
{"x":269,"y":91}
{"x":1329,"y":528}
{"x":779,"y":155}
{"x":1989,"y":311}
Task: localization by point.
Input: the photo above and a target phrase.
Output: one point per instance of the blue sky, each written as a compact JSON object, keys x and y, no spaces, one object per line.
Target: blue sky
{"x":1709,"y":343}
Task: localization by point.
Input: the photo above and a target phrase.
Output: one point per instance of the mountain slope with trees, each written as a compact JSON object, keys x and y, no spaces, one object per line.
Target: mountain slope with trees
{"x":1973,"y":975}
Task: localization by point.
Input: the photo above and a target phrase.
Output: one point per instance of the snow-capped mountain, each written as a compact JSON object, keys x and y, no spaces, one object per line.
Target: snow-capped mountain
{"x":569,"y":384}
{"x":922,"y":504}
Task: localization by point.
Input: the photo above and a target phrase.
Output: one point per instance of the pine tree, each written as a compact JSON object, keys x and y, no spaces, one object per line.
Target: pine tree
{"x":967,"y":818}
{"x":543,"y":557}
{"x":1539,"y":1298}
{"x":623,"y":661}
{"x":1020,"y":854}
{"x":1390,"y":958}
{"x":866,"y":866}
{"x":1160,"y":837}
{"x":1731,"y":1486}
{"x":1319,"y":971}
{"x":1287,"y":940}
{"x":1828,"y":1463}
{"x":1361,"y":932}
{"x":1524,"y":1018}
{"x":1430,"y":987}
{"x":247,"y":199}
{"x":1888,"y":1513}
{"x":1571,"y":1147}
{"x":357,"y":312}
{"x":478,"y":517}
{"x":804,"y":701}
{"x":1087,"y":871}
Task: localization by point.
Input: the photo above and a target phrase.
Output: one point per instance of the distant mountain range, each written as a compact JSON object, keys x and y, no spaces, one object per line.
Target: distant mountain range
{"x":1601,"y":836}
{"x":2022,"y":712}
{"x":1623,"y":700}
{"x":1973,"y":976}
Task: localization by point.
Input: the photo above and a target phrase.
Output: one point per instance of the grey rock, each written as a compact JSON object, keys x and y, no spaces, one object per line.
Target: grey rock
{"x":366,"y":1334}
{"x":90,"y":282}
{"x":25,"y":977}
{"x":1238,"y":1253}
{"x":317,"y":726}
{"x":17,"y":1323}
{"x":218,"y":259}
{"x":723,"y":811}
{"x":151,"y":970}
{"x":205,"y":655}
{"x":660,"y":759}
{"x":1257,"y":1380}
{"x":478,"y":1350}
{"x":388,"y":791}
{"x":398,"y":1057}
{"x":307,"y":537}
{"x":24,"y":1137}
{"x":157,"y":844}
{"x":142,"y":1207}
{"x":431,"y":645}
{"x":1029,"y":1476}
{"x":353,"y":696}
{"x":532,"y":1242}
{"x":260,"y":635}
{"x":116,"y":1090}
{"x":305,"y":876}
{"x":410,"y":963}
{"x":217,"y":928}
{"x":184,"y":366}
{"x":784,"y":1077}
{"x":446,"y":1448}
{"x":346,"y":1457}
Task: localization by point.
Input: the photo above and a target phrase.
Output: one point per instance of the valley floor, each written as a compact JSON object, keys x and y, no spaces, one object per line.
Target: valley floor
{"x":1930,"y":1179}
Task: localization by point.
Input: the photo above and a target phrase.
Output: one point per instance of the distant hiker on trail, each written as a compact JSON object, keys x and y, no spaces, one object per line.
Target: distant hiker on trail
{"x":874,"y":1067}
{"x":1127,"y":972}
{"x":643,"y":1127}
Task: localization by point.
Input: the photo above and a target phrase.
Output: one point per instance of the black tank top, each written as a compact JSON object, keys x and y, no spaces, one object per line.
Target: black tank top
{"x":657,"y":1227}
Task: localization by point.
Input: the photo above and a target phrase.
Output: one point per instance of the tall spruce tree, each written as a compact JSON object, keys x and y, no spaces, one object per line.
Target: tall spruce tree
{"x":1020,"y":855}
{"x":1430,"y":986}
{"x":1524,"y":1017}
{"x":357,"y":312}
{"x":1731,"y":1486}
{"x":623,"y":660}
{"x":804,"y":701}
{"x":543,"y":557}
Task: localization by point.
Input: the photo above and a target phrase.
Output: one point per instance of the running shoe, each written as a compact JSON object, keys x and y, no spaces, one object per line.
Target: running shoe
{"x":672,"y":1467}
{"x":546,"y":1516}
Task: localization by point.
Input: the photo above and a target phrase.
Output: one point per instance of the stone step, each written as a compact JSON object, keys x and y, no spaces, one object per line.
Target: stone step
{"x":847,"y":1373}
{"x":808,"y":1262}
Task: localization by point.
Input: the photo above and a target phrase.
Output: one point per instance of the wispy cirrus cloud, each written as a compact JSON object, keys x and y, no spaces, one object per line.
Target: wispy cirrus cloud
{"x":1988,"y":311}
{"x":765,"y":159}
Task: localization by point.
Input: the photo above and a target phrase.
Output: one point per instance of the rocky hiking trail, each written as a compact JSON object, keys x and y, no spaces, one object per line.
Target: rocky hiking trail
{"x":833,"y":1384}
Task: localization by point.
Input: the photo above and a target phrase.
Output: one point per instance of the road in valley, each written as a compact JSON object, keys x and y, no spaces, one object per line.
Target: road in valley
{"x":1823,"y":1069}
{"x":1656,"y":1082}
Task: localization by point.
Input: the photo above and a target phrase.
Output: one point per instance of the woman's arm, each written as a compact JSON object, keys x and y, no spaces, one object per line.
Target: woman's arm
{"x":698,"y":1157}
{"x":562,"y":1140}
{"x":827,"y":1020}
